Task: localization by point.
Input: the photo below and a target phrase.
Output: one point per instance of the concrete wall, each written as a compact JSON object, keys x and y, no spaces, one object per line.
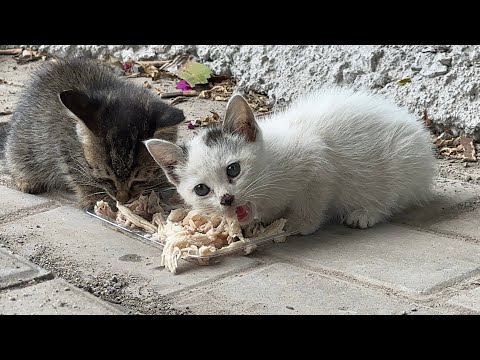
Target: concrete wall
{"x":444,"y":79}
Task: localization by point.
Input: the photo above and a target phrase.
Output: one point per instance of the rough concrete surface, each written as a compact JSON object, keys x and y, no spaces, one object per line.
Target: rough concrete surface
{"x":424,"y":262}
{"x":15,"y":270}
{"x":443,"y":77}
{"x":55,"y":297}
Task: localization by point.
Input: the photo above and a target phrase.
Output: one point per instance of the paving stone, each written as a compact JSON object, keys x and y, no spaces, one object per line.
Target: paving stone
{"x":466,"y":224}
{"x":74,"y":235}
{"x":14,"y":270}
{"x":285,"y":289}
{"x":12,"y":201}
{"x":469,"y":299}
{"x":55,"y":297}
{"x":448,"y":195}
{"x":387,"y":255}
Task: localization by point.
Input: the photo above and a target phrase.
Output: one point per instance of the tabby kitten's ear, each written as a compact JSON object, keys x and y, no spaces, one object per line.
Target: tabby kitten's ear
{"x":168,"y":155}
{"x":83,"y":107}
{"x":166,"y":115}
{"x":239,"y":119}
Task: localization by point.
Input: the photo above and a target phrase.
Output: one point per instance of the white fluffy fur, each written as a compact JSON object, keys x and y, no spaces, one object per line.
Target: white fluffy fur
{"x":334,"y":153}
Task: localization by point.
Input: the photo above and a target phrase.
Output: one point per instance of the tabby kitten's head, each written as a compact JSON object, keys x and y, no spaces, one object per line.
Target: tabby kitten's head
{"x":111,"y":127}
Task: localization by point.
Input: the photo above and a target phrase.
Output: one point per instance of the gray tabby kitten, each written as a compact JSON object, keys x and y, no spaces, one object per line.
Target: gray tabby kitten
{"x":79,"y":126}
{"x":333,"y":154}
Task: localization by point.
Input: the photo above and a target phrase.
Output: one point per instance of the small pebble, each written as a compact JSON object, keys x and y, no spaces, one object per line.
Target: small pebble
{"x":404,"y":313}
{"x":67,"y":289}
{"x":62,"y":304}
{"x":413,"y":309}
{"x":290,"y":308}
{"x":468,"y":178}
{"x":12,"y":299}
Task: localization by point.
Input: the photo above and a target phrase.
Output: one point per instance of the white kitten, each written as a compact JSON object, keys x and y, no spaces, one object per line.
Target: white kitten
{"x":334,"y":153}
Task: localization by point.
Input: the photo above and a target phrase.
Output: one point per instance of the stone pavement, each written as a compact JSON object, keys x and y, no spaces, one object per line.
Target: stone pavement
{"x":55,"y":259}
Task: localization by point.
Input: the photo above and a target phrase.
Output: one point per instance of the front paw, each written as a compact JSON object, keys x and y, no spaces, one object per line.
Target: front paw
{"x":361,"y":219}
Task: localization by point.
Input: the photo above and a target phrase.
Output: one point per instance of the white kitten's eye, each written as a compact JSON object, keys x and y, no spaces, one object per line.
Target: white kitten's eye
{"x":233,"y":169}
{"x":201,"y":189}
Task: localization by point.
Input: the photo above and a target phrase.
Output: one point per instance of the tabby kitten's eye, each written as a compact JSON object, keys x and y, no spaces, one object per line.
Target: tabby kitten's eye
{"x":233,"y":169}
{"x":201,"y":189}
{"x":109,"y":182}
{"x":136,"y":182}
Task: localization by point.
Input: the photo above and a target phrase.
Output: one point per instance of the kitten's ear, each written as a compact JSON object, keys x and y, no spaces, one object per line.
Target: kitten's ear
{"x":82,"y":106}
{"x":167,"y":115}
{"x":239,"y":119}
{"x":168,"y":156}
{"x":165,"y":121}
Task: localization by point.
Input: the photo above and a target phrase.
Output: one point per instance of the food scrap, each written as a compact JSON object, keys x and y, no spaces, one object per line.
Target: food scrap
{"x":187,"y":232}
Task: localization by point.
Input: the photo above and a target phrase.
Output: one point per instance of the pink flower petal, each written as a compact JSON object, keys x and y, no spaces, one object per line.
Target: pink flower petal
{"x":126,"y":66}
{"x":183,"y":85}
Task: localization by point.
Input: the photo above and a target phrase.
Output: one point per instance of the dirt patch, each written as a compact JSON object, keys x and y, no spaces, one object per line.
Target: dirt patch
{"x":113,"y":288}
{"x":458,"y":170}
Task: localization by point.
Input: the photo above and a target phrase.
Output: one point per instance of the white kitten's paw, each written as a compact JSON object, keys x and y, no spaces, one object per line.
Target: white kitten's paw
{"x":362,"y":219}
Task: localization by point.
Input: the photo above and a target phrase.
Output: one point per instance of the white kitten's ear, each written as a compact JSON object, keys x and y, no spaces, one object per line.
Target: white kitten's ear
{"x":168,"y":155}
{"x":239,"y":119}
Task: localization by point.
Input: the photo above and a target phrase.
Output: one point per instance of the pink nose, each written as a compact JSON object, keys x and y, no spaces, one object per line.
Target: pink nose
{"x":122,"y":196}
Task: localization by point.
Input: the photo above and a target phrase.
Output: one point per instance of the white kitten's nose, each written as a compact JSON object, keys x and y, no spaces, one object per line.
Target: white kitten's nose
{"x":227,"y":199}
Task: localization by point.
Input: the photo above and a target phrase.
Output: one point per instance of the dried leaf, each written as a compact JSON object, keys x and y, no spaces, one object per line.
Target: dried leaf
{"x":194,"y":73}
{"x":173,"y":65}
{"x":152,"y":72}
{"x":11,"y":51}
{"x":156,"y":63}
{"x":426,"y":120}
{"x":404,"y":81}
{"x":147,"y":85}
{"x":469,"y":149}
{"x":29,"y":55}
{"x":205,"y":94}
{"x":178,"y":100}
{"x":205,"y":121}
{"x":461,"y":148}
{"x":258,"y":102}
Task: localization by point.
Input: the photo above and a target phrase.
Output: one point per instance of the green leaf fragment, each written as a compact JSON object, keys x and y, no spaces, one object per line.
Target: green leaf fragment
{"x":194,"y":73}
{"x":404,"y":81}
